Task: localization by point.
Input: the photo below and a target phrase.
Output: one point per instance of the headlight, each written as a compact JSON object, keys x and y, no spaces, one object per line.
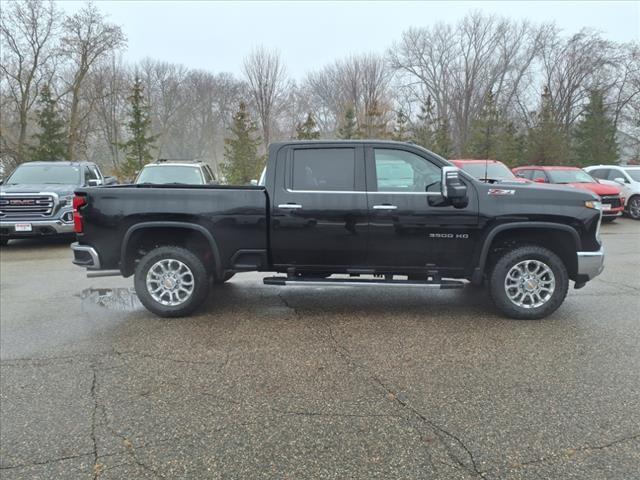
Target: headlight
{"x":596,"y":205}
{"x":66,"y":200}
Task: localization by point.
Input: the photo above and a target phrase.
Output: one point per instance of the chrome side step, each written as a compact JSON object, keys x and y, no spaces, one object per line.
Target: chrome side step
{"x":350,"y":282}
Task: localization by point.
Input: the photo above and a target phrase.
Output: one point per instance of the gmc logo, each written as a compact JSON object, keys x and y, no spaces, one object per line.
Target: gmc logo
{"x":22,"y":202}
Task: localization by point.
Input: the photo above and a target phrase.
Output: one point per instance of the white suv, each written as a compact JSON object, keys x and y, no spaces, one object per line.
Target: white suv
{"x":627,"y":178}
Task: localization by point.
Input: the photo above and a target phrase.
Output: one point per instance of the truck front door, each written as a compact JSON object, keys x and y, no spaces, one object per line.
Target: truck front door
{"x":409,"y":225}
{"x":319,"y":207}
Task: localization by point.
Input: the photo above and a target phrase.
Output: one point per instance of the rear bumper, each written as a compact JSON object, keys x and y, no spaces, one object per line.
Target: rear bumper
{"x":38,"y":228}
{"x":590,"y":264}
{"x":85,"y":256}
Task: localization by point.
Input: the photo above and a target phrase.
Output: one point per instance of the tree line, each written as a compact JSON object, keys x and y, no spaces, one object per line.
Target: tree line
{"x":483,"y":87}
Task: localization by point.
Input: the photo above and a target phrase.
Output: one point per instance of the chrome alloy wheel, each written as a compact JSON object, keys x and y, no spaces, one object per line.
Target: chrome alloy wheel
{"x":170,"y":282}
{"x":529,"y":284}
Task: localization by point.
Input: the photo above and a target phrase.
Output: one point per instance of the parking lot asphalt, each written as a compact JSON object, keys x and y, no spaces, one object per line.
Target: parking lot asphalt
{"x":315,"y":382}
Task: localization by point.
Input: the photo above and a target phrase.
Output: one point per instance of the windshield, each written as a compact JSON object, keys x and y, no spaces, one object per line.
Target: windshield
{"x":633,"y":173}
{"x":170,"y":174}
{"x":570,"y":176}
{"x":45,"y":174}
{"x":494,"y":171}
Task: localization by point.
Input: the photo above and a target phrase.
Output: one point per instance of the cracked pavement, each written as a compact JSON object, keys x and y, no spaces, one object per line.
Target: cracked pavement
{"x":309,"y":382}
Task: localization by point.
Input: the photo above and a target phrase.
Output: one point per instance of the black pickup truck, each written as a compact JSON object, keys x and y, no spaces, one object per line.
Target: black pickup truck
{"x":345,"y":213}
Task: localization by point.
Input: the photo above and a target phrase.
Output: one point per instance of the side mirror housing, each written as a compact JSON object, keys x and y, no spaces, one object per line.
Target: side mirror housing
{"x":94,"y":182}
{"x":453,"y":189}
{"x":110,"y":180}
{"x":254,"y":183}
{"x":620,"y":180}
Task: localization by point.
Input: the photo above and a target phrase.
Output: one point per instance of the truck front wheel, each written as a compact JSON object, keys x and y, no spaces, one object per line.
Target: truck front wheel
{"x":528,"y":282}
{"x":171,"y":281}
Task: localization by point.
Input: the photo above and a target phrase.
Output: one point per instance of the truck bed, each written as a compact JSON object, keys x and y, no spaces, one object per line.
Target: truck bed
{"x":236,"y":215}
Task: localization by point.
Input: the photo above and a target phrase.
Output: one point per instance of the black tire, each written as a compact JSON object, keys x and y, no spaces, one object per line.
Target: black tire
{"x":198,"y":273}
{"x":227,"y":276}
{"x":633,"y":207}
{"x":4,"y":241}
{"x":512,"y":258}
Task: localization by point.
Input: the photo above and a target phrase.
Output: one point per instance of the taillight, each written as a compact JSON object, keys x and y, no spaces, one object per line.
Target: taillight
{"x":77,"y":218}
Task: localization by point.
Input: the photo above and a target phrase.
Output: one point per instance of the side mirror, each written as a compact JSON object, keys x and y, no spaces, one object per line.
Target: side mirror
{"x":94,"y":182}
{"x":453,"y":189}
{"x":520,"y":175}
{"x":539,"y":180}
{"x":254,"y":183}
{"x":620,"y":180}
{"x":110,"y":180}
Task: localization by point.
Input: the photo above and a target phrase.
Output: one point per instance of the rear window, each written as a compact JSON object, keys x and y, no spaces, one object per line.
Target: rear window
{"x":170,"y":174}
{"x":329,"y":169}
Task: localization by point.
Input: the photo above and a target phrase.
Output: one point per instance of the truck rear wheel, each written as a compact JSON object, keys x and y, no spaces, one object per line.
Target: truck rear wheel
{"x":171,"y":281}
{"x":528,"y":283}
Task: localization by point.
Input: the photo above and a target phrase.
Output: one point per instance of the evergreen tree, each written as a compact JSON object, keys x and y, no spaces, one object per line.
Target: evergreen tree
{"x":51,"y":138}
{"x":442,"y":139}
{"x":349,"y":127}
{"x":485,"y":130}
{"x":424,"y":127}
{"x":594,"y":136}
{"x":140,"y":144}
{"x":242,"y":162}
{"x":546,"y":142}
{"x":307,"y":130}
{"x":510,"y":146}
{"x":400,"y":132}
{"x":374,"y":124}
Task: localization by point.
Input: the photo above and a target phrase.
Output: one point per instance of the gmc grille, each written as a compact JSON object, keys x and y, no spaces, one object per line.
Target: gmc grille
{"x":614,"y":201}
{"x":26,"y":206}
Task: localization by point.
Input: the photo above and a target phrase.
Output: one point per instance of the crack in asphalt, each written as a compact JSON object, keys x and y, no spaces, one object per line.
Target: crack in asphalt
{"x":569,"y":451}
{"x":439,"y":431}
{"x":46,"y":462}
{"x":94,"y":398}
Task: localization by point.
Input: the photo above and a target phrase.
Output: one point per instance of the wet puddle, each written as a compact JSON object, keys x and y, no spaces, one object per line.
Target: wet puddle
{"x":116,"y":299}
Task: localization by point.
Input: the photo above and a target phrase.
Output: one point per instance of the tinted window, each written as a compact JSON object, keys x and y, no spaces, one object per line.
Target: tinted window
{"x":324,"y":169}
{"x":613,"y":174}
{"x":539,"y":174}
{"x":600,"y":173}
{"x":208,"y":178}
{"x":633,"y":173}
{"x":570,"y":176}
{"x":398,"y":171}
{"x":525,"y":174}
{"x":47,"y":174}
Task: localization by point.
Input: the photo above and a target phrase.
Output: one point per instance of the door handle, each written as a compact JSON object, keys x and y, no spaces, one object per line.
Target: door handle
{"x":385,"y":207}
{"x":293,"y":206}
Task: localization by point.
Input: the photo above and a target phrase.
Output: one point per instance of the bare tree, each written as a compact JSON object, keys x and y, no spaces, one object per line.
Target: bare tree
{"x":266,"y":75}
{"x":87,"y":39}
{"x":459,"y":66}
{"x":27,"y":31}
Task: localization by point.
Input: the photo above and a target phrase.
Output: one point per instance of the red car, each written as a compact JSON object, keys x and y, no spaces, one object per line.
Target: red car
{"x":612,"y":200}
{"x":491,"y":171}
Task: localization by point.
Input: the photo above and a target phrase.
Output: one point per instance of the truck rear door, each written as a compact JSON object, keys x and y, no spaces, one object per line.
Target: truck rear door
{"x":319,"y":206}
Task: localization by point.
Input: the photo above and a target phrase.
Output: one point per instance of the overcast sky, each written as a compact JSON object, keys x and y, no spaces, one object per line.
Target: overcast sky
{"x":215,"y":36}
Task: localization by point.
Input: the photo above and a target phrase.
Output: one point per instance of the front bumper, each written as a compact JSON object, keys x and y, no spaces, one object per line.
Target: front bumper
{"x":53,"y":226}
{"x":590,"y":264}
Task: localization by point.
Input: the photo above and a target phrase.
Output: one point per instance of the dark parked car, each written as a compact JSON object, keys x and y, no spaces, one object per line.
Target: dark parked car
{"x":35,"y":200}
{"x":379,"y":213}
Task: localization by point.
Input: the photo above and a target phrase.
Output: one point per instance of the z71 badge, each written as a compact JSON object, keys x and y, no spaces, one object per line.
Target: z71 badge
{"x":500,"y":191}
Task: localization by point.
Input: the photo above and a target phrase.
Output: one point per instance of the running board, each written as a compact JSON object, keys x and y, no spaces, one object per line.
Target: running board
{"x":350,"y":282}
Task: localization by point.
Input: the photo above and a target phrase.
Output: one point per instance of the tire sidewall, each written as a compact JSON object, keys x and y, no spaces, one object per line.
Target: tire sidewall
{"x":200,"y":278}
{"x":511,"y":258}
{"x":635,"y":198}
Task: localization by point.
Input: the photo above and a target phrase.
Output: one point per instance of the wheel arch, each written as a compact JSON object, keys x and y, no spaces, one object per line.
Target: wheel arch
{"x":133,"y":235}
{"x":569,"y":243}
